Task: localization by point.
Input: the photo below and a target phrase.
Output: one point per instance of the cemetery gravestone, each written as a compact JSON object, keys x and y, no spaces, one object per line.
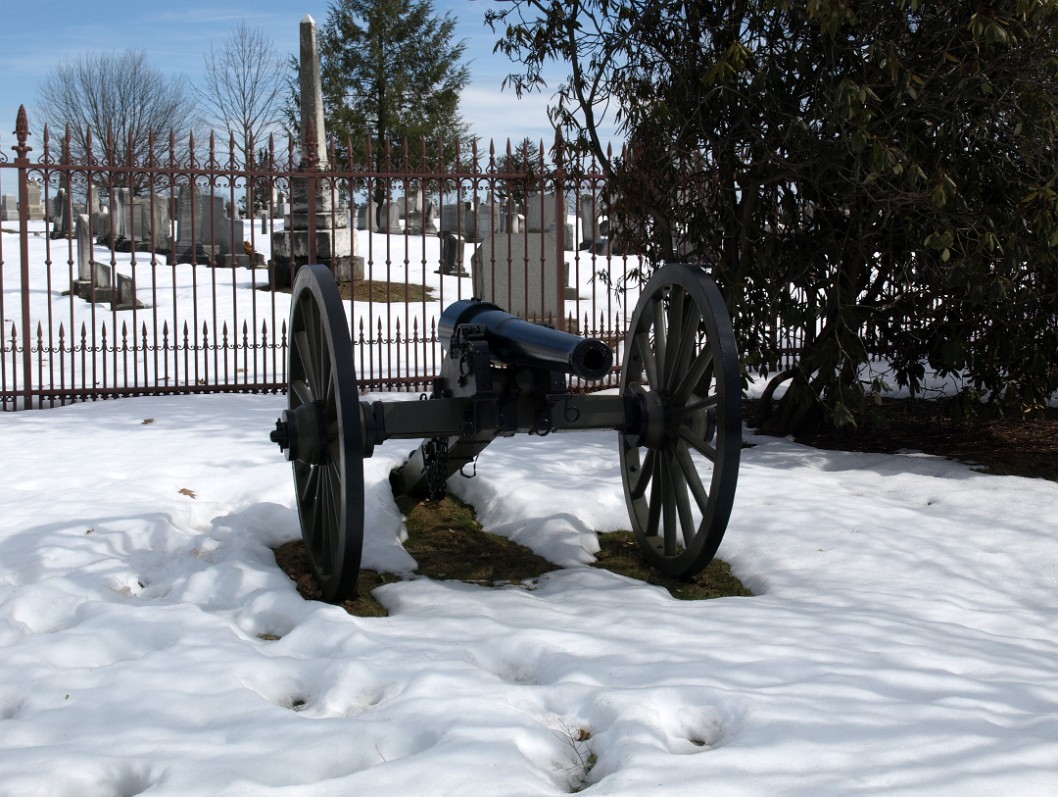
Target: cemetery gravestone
{"x":8,"y":207}
{"x":282,"y":206}
{"x":588,"y":212}
{"x":366,"y":216}
{"x":522,"y":274}
{"x":94,"y":280}
{"x":61,"y":215}
{"x":458,"y":217}
{"x":205,"y":231}
{"x":526,"y":272}
{"x":429,"y":219}
{"x":123,"y":296}
{"x":453,"y":251}
{"x":486,"y":220}
{"x":36,"y":209}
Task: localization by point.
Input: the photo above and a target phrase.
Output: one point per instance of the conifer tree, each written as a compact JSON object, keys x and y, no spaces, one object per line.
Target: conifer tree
{"x":391,"y":72}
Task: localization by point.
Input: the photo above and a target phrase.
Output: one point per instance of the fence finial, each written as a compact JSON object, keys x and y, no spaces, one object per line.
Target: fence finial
{"x":22,"y":133}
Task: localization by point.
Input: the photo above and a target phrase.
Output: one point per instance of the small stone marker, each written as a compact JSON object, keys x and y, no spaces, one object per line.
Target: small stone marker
{"x":36,"y":209}
{"x":8,"y":207}
{"x":453,"y":250}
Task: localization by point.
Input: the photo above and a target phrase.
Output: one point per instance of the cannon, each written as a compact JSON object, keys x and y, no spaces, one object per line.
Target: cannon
{"x":677,"y":414}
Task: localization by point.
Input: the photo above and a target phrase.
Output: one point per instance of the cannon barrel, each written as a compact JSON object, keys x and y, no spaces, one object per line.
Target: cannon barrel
{"x":517,"y":342}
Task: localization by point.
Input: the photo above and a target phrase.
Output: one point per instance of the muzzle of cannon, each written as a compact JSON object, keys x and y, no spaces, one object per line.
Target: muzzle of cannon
{"x":677,"y":414}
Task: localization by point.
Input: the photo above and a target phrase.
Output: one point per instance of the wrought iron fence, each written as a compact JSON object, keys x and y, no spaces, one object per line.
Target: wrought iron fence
{"x":168,"y":274}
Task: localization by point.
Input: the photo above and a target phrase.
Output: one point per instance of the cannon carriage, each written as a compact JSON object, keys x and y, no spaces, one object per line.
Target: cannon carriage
{"x":676,"y":414}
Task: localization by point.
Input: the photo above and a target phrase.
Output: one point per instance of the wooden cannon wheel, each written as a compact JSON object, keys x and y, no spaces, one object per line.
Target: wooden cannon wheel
{"x":679,"y":463}
{"x":321,"y":431}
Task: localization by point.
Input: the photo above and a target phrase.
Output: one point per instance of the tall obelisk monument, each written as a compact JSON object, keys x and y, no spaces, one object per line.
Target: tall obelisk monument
{"x":334,"y":239}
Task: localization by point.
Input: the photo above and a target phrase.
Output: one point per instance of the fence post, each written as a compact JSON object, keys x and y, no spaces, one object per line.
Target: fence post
{"x":22,"y":163}
{"x":560,"y":228}
{"x":310,"y":167}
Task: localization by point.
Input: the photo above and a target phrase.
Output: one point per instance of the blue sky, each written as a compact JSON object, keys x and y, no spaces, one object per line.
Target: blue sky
{"x":36,"y":35}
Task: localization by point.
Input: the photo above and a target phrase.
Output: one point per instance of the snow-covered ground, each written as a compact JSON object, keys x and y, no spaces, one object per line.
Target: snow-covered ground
{"x":903,"y":637}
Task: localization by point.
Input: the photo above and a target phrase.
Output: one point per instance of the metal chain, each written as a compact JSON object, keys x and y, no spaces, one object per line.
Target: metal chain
{"x":436,"y":461}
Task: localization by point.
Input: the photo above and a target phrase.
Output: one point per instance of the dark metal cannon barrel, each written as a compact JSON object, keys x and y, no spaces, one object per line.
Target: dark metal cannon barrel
{"x":517,"y":342}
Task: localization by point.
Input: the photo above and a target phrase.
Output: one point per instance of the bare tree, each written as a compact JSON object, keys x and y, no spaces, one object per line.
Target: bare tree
{"x":244,"y":87}
{"x":112,"y":102}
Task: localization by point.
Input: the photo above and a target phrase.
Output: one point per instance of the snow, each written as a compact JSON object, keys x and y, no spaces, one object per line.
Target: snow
{"x":902,"y":640}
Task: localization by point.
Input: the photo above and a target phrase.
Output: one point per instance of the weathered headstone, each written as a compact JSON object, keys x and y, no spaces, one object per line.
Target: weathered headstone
{"x":513,"y":219}
{"x":223,"y":232}
{"x":151,"y":224}
{"x":542,"y":212}
{"x":187,"y":208}
{"x":36,"y":208}
{"x":120,"y":213}
{"x":365,"y":217}
{"x":453,"y":252}
{"x":61,"y":215}
{"x":282,"y":206}
{"x":588,"y":212}
{"x":94,"y":280}
{"x":458,"y":217}
{"x":102,"y":280}
{"x":101,"y":224}
{"x":8,"y":207}
{"x":429,"y":219}
{"x":84,"y":250}
{"x":412,"y":222}
{"x":391,"y":220}
{"x":523,"y":274}
{"x":486,"y":220}
{"x":123,"y":296}
{"x":205,"y":233}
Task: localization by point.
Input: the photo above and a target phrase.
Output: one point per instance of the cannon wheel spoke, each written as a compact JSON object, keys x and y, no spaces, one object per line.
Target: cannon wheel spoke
{"x":680,"y":478}
{"x":329,"y":491}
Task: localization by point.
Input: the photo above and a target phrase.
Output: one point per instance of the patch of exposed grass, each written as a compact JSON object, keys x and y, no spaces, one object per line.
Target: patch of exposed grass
{"x":385,"y":292}
{"x":621,"y":554}
{"x":293,"y":561}
{"x":378,"y":292}
{"x":448,"y":543}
